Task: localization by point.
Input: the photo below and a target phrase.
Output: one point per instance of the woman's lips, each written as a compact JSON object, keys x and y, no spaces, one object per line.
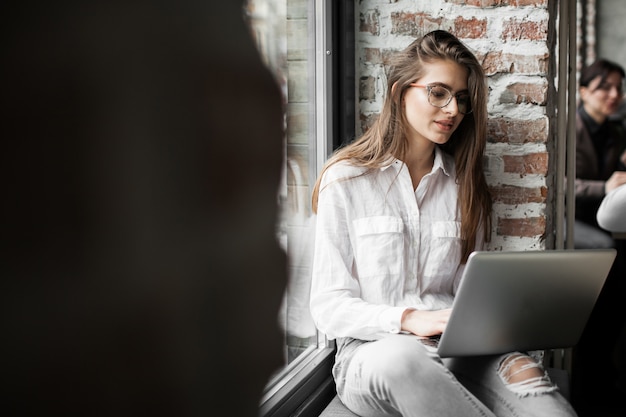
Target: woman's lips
{"x":445,"y":125}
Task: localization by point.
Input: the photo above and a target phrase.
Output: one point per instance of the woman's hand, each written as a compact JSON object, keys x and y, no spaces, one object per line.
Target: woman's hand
{"x":425,"y":322}
{"x":618,"y":178}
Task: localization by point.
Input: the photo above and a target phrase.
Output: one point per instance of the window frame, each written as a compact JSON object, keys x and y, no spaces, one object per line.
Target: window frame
{"x":305,"y":386}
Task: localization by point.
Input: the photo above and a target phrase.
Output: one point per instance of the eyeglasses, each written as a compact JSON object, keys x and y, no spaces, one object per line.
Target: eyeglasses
{"x":440,"y":96}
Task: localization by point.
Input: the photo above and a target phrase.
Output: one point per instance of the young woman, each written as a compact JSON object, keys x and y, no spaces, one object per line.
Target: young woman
{"x":398,"y":212}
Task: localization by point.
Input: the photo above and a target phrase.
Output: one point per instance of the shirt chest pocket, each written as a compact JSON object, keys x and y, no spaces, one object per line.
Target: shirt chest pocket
{"x":444,"y":249}
{"x":379,"y":245}
{"x":447,"y":230}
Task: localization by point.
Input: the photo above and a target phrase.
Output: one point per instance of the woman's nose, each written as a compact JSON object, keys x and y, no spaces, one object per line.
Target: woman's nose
{"x":452,"y":107}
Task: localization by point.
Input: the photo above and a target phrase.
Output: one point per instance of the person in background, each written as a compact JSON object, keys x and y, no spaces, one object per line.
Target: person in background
{"x":398,"y":213}
{"x":600,"y":169}
{"x":600,"y":148}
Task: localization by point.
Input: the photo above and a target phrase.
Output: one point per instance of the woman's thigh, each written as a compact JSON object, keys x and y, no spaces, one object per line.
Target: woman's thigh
{"x":399,"y":376}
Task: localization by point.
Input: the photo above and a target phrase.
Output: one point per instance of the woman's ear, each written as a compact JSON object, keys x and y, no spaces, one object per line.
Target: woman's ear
{"x":583,"y":93}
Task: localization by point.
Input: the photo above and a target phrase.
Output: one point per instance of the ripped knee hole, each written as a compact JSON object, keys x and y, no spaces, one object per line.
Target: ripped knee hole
{"x":523,"y":374}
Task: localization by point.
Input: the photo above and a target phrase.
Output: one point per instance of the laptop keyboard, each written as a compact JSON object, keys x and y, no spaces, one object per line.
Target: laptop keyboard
{"x":432,"y":341}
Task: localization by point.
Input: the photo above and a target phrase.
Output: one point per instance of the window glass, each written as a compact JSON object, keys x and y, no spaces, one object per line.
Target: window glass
{"x":284,"y":35}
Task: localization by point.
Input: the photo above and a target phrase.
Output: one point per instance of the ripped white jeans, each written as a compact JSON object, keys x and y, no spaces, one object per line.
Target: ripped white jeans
{"x":398,"y":376}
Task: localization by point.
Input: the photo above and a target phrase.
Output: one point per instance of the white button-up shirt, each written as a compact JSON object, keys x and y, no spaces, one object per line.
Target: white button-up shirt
{"x":382,"y":247}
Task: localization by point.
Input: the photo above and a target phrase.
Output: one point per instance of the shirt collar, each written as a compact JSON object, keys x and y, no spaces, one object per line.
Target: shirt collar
{"x":441,"y":162}
{"x":591,"y":124}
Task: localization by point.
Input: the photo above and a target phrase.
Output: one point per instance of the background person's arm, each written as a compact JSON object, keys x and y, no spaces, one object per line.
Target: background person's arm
{"x":612,"y":212}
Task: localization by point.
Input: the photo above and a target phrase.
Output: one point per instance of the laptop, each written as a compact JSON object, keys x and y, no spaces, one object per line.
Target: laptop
{"x":519,"y":301}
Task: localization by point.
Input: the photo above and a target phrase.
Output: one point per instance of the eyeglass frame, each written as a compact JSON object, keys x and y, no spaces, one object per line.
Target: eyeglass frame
{"x":429,"y":87}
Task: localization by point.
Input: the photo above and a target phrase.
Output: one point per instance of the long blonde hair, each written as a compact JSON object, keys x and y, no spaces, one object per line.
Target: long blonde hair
{"x":386,"y":139}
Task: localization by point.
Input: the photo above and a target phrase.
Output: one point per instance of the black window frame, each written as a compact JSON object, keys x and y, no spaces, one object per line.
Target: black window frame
{"x":306,"y":386}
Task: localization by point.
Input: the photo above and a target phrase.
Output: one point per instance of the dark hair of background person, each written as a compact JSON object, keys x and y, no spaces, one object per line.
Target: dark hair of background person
{"x":142,"y":151}
{"x":600,"y":68}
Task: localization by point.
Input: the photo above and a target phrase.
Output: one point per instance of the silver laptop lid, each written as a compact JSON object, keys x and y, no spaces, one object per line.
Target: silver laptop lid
{"x":510,"y":301}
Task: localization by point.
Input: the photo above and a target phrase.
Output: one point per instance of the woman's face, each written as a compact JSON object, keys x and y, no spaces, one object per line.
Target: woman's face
{"x":428,"y":122}
{"x":601,"y":99}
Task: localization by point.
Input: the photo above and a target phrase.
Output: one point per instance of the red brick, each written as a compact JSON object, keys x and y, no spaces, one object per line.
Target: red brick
{"x":413,"y":24}
{"x":511,"y":194}
{"x":534,"y":163}
{"x":367,"y":120}
{"x":377,"y":56}
{"x":470,"y":28}
{"x":373,"y":55}
{"x":527,"y":93}
{"x":515,"y":30}
{"x":370,"y":22}
{"x":524,"y":227}
{"x":496,"y":3}
{"x":367,"y":88}
{"x":498,"y":62}
{"x":516,"y":131}
{"x":537,"y":3}
{"x":478,"y":3}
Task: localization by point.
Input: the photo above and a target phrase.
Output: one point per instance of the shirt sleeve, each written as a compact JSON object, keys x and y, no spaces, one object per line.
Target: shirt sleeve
{"x":336,"y":305}
{"x":589,"y":188}
{"x":610,"y":214}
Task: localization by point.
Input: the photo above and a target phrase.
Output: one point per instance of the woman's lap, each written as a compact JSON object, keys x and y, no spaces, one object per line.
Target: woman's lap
{"x":398,"y":375}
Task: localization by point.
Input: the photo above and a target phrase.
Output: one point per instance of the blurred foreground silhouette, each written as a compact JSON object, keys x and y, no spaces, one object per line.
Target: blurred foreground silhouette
{"x":140,"y":167}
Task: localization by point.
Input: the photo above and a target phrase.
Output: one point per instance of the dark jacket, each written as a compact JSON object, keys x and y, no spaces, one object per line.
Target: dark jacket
{"x":590,"y":177}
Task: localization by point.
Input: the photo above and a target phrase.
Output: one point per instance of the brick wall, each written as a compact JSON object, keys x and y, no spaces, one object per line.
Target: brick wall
{"x":513,"y":39}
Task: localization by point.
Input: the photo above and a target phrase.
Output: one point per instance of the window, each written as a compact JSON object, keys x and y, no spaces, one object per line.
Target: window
{"x":308,"y":45}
